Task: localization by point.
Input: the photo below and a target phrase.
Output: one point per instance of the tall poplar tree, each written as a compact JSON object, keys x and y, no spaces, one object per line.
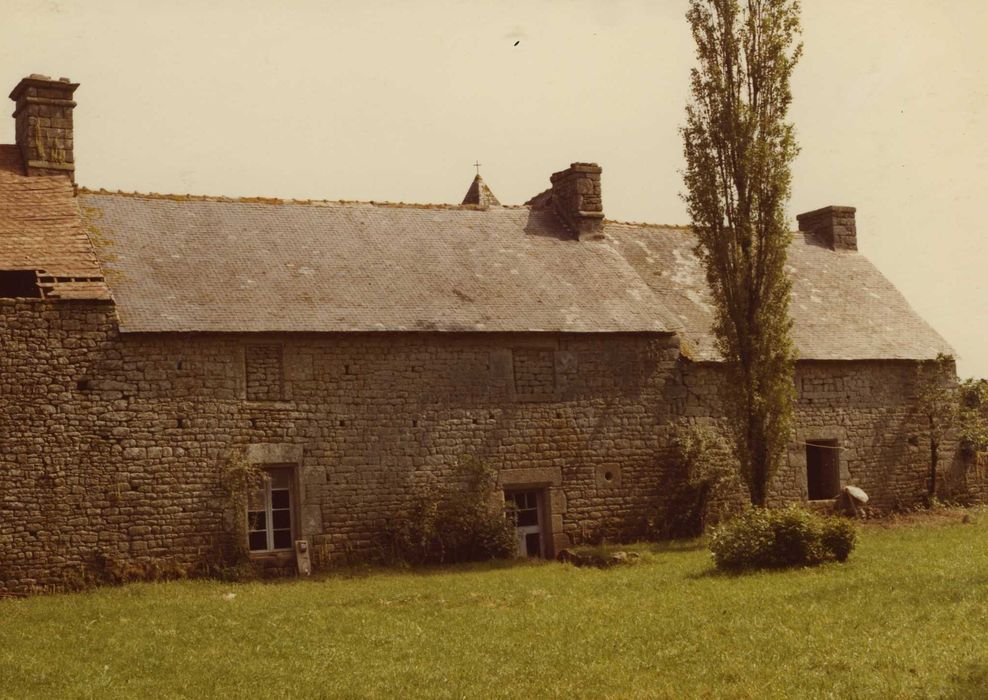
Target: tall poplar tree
{"x":739,"y":149}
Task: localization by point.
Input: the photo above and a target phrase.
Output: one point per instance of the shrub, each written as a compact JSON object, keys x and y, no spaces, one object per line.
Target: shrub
{"x":763,"y":538}
{"x":455,"y":523}
{"x":838,"y":537}
{"x":711,"y":481}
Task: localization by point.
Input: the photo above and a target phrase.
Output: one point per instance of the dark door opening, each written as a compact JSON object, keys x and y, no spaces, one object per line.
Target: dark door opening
{"x":822,"y":469}
{"x":19,"y":284}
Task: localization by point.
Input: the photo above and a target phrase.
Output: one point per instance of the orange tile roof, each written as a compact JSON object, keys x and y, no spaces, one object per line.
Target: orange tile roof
{"x":41,"y":230}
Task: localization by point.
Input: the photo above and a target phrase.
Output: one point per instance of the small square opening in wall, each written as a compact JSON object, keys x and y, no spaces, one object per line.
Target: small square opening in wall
{"x":822,"y":469}
{"x":608,"y":475}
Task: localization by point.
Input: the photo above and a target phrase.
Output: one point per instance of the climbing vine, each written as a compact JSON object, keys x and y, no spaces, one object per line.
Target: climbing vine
{"x":238,"y":480}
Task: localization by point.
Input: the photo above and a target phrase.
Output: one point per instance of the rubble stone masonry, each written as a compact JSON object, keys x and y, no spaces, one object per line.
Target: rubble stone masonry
{"x":112,"y":445}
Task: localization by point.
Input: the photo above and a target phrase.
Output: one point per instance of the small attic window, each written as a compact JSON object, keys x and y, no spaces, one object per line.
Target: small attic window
{"x":19,"y":284}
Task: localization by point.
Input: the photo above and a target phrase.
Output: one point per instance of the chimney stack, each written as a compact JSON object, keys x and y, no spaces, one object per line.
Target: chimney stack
{"x":833,"y":225}
{"x":43,"y":122}
{"x":575,"y":197}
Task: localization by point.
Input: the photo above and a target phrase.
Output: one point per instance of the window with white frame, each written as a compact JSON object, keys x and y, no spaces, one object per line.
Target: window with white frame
{"x":269,"y":513}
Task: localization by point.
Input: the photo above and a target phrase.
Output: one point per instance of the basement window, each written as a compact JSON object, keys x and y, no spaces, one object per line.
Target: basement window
{"x":263,"y":372}
{"x":822,"y":469}
{"x":269,"y":513}
{"x":19,"y":284}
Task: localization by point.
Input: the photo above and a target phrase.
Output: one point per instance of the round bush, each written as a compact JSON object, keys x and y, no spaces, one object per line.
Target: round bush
{"x":838,"y":537}
{"x":763,"y":538}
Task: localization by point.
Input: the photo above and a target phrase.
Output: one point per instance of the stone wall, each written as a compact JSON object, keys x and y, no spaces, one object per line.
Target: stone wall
{"x":113,"y":445}
{"x":866,"y":407}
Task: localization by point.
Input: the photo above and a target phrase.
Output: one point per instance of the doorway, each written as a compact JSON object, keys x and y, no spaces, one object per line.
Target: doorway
{"x":822,"y":469}
{"x":529,"y":520}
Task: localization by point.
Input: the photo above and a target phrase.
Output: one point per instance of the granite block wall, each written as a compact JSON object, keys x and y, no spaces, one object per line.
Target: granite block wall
{"x":113,"y":445}
{"x":866,"y":407}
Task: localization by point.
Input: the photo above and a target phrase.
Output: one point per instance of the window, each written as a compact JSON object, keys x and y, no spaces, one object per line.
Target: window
{"x":269,"y":513}
{"x":263,"y":372}
{"x":19,"y":284}
{"x":535,"y":372}
{"x":822,"y":469}
{"x":528,"y":521}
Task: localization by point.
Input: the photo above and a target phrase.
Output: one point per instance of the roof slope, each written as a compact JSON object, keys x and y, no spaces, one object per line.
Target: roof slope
{"x":40,"y":230}
{"x":842,"y":306}
{"x":208,"y":264}
{"x":227,"y":265}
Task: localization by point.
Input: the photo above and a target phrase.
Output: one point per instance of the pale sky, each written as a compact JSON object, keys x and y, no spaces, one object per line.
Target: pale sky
{"x":395,"y":100}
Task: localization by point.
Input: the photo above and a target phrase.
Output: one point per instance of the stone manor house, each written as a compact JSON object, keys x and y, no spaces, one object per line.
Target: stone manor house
{"x":359,"y":350}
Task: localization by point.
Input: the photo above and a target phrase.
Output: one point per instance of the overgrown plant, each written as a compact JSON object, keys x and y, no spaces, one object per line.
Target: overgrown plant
{"x":739,"y":149}
{"x":709,"y":473}
{"x":456,"y":521}
{"x":938,"y":400}
{"x":949,"y":409}
{"x":973,"y":416}
{"x":238,"y":480}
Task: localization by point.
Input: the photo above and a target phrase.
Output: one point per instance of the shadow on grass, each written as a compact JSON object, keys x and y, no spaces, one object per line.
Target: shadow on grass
{"x":693,"y":545}
{"x":365,"y":571}
{"x":372,"y":570}
{"x":970,"y":682}
{"x":714,"y":572}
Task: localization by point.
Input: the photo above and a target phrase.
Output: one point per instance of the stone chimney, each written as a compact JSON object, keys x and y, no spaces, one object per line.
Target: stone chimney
{"x":575,"y":197}
{"x":833,"y":225}
{"x":43,"y":123}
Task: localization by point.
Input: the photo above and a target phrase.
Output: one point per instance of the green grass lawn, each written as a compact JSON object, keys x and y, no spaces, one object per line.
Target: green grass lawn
{"x":906,"y":617}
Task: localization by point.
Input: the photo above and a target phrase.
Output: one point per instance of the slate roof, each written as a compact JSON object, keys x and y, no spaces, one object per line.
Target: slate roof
{"x":227,"y":265}
{"x":201,"y":264}
{"x":216,"y":264}
{"x":843,"y":308}
{"x":40,"y":230}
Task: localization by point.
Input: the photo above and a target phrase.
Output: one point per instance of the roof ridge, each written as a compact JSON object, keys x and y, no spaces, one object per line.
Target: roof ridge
{"x":640,"y":224}
{"x":279,"y":200}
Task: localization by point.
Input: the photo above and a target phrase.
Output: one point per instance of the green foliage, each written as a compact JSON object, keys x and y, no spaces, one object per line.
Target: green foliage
{"x":838,"y":537}
{"x":458,"y":522}
{"x":238,"y":479}
{"x":763,"y":538}
{"x":950,"y":408}
{"x":709,"y":473}
{"x":973,"y":416}
{"x":739,"y":150}
{"x":937,"y":402}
